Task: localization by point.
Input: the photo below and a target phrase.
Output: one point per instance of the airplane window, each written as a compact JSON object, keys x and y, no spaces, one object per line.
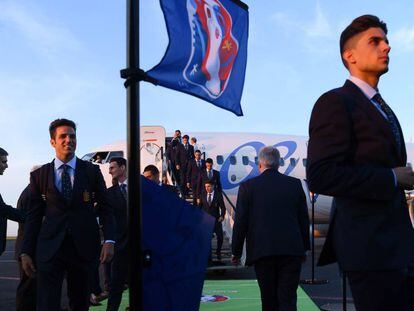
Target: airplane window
{"x":282,"y":162}
{"x":100,"y":157}
{"x":256,"y":160}
{"x":305,"y":162}
{"x":88,"y":157}
{"x":293,"y":161}
{"x":233,"y":160}
{"x":245,"y":160}
{"x":114,"y":154}
{"x":219,"y":159}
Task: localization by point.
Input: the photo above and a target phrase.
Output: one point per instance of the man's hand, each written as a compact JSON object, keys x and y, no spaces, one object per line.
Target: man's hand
{"x":177,"y":167}
{"x":220,"y":219}
{"x":235,"y":260}
{"x":405,"y":177}
{"x":107,"y":252}
{"x":198,"y":201}
{"x":27,"y":265}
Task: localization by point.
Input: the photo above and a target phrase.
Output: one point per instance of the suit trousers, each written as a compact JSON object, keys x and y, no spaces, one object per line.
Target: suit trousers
{"x":278,"y":278}
{"x":218,"y":230}
{"x":119,"y":271}
{"x":26,"y":292}
{"x":379,"y":290}
{"x":78,"y":275}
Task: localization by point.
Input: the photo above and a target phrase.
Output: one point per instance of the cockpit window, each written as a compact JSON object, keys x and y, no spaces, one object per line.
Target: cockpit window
{"x":233,"y":160}
{"x":292,"y":161}
{"x":245,"y":160}
{"x":114,"y":154}
{"x":282,"y":162}
{"x":220,"y":160}
{"x":88,"y":156}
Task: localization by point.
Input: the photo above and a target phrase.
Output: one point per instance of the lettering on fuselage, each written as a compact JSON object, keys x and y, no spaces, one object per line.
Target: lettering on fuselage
{"x":290,"y":145}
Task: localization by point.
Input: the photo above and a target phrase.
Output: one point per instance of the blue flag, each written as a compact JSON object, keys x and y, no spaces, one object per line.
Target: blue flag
{"x":207,"y":51}
{"x":177,"y":235}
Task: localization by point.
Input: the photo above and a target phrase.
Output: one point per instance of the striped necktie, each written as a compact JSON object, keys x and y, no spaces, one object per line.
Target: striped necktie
{"x":392,"y":120}
{"x":124,"y":191}
{"x":66,"y":183}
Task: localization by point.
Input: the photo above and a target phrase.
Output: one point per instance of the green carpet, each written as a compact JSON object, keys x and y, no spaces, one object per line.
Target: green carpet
{"x":244,"y":296}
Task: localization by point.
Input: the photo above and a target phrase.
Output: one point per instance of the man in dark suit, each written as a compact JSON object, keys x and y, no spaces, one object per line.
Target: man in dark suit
{"x":6,"y":211}
{"x":212,"y":203}
{"x":61,"y":227}
{"x":194,"y":168}
{"x":184,"y":153}
{"x":272,"y":215}
{"x":119,"y":265}
{"x":208,"y":174}
{"x":356,"y":154}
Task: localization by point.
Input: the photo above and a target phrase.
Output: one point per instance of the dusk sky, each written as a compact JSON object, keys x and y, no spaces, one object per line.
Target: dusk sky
{"x":62,"y":59}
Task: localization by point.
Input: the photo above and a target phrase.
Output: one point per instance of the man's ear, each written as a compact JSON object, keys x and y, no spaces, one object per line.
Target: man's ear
{"x":348,"y":56}
{"x":53,"y":142}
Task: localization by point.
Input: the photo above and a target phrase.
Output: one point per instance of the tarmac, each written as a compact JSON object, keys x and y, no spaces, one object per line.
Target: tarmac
{"x":327,"y":296}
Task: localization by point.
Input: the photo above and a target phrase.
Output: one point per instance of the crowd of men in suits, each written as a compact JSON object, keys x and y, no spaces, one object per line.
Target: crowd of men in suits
{"x":70,"y":224}
{"x":192,"y":173}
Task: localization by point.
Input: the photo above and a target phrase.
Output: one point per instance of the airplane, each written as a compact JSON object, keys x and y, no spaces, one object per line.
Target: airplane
{"x":235,"y":157}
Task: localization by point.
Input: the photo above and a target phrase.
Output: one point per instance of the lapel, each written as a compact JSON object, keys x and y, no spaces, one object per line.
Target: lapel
{"x":77,"y":180}
{"x":372,"y":112}
{"x":51,"y":185}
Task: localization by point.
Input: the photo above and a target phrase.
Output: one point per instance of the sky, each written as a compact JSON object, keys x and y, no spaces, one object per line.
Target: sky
{"x":62,"y":59}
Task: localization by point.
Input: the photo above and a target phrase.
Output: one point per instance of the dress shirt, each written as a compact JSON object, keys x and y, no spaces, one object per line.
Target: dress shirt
{"x":368,"y":91}
{"x":59,"y":170}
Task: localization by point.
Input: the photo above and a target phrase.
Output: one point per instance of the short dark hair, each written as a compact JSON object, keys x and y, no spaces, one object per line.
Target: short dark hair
{"x":358,"y":25}
{"x":178,"y":131}
{"x":209,"y":160}
{"x":3,"y":153}
{"x":119,"y":160}
{"x":60,"y":122}
{"x":197,"y":151}
{"x":209,"y":182}
{"x":151,"y":168}
{"x":186,"y":137}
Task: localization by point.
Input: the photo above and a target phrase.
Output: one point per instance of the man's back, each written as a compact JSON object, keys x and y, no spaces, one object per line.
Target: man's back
{"x":272,"y":211}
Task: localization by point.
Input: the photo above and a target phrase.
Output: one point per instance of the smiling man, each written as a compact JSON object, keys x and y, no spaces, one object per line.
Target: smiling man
{"x":61,"y":228}
{"x":356,"y":154}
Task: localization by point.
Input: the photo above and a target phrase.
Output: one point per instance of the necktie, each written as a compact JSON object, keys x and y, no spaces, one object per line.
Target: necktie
{"x":66,"y":183}
{"x":209,"y":199}
{"x":391,"y":118}
{"x":124,"y":191}
{"x":209,"y":174}
{"x":198,"y":164}
{"x":186,"y":147}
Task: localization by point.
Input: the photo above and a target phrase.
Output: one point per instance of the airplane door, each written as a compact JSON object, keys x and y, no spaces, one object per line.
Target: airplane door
{"x":152,"y":147}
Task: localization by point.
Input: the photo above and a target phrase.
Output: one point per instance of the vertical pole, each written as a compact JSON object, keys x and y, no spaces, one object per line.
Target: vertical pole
{"x":133,"y":143}
{"x":313,"y":236}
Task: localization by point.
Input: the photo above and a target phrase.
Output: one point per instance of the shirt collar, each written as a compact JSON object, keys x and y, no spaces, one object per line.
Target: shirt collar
{"x":367,"y":89}
{"x":212,"y":193}
{"x":123,"y":183}
{"x":71,"y":163}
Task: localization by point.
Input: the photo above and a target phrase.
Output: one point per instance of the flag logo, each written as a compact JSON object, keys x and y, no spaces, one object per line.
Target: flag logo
{"x":213,"y":46}
{"x":214,"y":298}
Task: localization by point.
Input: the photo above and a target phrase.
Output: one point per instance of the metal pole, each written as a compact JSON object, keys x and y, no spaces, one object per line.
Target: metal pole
{"x":313,"y":236}
{"x":133,"y":142}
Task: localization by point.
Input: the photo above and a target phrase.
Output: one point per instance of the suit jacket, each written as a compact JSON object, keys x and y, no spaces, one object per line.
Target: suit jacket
{"x":50,"y":218}
{"x":216,"y":208}
{"x":272,"y":215}
{"x":7,"y":212}
{"x":120,"y":210}
{"x":23,"y":204}
{"x":189,"y":152}
{"x":351,"y":154}
{"x":203,"y":178}
{"x":193,"y":173}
